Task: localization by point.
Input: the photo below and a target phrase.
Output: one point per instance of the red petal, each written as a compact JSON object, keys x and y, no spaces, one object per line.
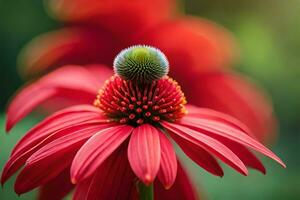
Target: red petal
{"x":235,"y":95}
{"x":208,"y":143}
{"x":45,"y":132}
{"x":56,"y":154}
{"x":16,"y":161}
{"x":69,"y":97}
{"x":59,"y":120}
{"x":80,"y":45}
{"x":113,"y":180}
{"x":72,"y":82}
{"x":33,"y":96}
{"x":144,"y":152}
{"x":70,"y":140}
{"x":121,"y":17}
{"x":94,"y":152}
{"x":206,"y":113}
{"x":181,"y":189}
{"x":246,"y":156}
{"x":168,"y":164}
{"x":39,"y":173}
{"x":215,"y":128}
{"x":57,"y":188}
{"x":200,"y":156}
{"x":82,"y":189}
{"x":52,"y":149}
{"x":206,"y":47}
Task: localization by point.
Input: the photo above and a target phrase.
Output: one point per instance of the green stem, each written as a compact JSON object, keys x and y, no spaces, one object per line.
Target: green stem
{"x":146,"y":192}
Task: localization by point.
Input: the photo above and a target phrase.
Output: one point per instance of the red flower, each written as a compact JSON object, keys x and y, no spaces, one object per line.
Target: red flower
{"x":200,"y":52}
{"x":122,"y":18}
{"x":126,"y":134}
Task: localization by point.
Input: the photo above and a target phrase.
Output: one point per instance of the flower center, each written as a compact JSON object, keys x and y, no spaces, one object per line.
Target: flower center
{"x":126,"y":101}
{"x":140,"y":91}
{"x":141,"y":64}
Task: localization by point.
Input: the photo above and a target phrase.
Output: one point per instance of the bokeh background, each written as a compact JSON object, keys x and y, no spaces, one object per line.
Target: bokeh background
{"x":268,"y":34}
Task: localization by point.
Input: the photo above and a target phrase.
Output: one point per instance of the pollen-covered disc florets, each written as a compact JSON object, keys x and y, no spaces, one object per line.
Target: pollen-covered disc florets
{"x":141,"y":63}
{"x":135,"y":104}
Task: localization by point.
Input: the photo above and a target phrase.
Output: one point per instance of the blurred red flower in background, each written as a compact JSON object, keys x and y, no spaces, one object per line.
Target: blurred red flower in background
{"x":200,"y":52}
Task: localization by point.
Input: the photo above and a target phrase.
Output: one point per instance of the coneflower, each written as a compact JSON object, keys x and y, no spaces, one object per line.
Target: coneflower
{"x":124,"y":139}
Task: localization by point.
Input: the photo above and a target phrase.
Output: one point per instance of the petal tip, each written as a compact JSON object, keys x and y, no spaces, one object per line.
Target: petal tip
{"x":148,"y":179}
{"x":2,"y":182}
{"x":263,"y":171}
{"x":245,"y":173}
{"x":278,"y":160}
{"x":219,"y":173}
{"x":18,"y":190}
{"x":167,"y":187}
{"x":8,"y":126}
{"x":73,"y":181}
{"x":4,"y":177}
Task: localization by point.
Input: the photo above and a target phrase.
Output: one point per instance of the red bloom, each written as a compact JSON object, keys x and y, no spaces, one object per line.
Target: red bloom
{"x":199,"y":51}
{"x":122,"y":18}
{"x":126,"y":134}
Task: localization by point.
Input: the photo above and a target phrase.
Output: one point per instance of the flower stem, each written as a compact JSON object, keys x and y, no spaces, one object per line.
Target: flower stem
{"x":146,"y":192}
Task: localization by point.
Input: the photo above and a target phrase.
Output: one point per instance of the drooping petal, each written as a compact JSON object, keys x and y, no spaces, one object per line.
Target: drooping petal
{"x":210,"y":144}
{"x":59,"y":120}
{"x":206,"y":47}
{"x":218,"y":129}
{"x":144,"y":152}
{"x":233,"y":94}
{"x":113,"y":180}
{"x":70,"y":82}
{"x":123,"y":18}
{"x":47,"y":162}
{"x":57,"y":188}
{"x":168,"y":164}
{"x":39,"y":173}
{"x":45,"y":132}
{"x":246,"y":156}
{"x":96,"y":150}
{"x":70,"y":140}
{"x":206,"y":113}
{"x":80,"y":45}
{"x":16,"y":161}
{"x":200,"y":156}
{"x":181,"y":189}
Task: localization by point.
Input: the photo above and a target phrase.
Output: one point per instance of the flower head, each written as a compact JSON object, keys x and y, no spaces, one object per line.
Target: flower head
{"x":127,"y":133}
{"x":141,"y":63}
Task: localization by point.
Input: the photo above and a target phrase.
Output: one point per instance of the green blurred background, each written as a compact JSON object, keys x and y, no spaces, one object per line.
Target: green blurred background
{"x":268,"y":32}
